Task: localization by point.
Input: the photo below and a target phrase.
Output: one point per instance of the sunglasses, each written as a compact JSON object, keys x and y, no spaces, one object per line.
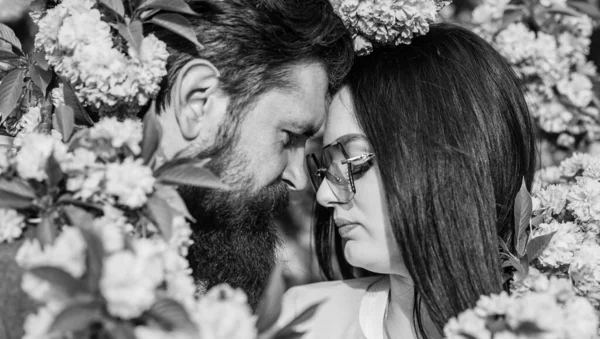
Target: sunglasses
{"x":340,"y":168}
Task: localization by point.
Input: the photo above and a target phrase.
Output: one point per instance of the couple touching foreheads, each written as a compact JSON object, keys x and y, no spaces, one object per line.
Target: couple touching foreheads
{"x":426,"y":146}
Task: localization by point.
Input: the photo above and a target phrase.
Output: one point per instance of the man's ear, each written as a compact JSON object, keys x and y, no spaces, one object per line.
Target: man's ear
{"x":199,"y":104}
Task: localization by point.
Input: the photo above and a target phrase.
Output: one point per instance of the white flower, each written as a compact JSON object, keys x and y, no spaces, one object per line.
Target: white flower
{"x":537,"y":308}
{"x":67,"y":253}
{"x":145,"y":332}
{"x":593,"y":169}
{"x":130,"y":278}
{"x":553,"y":198}
{"x":467,"y":323}
{"x":33,"y":155}
{"x":224,"y":312}
{"x":494,"y":304}
{"x":585,"y":272}
{"x":120,"y":133}
{"x":130,"y":182}
{"x":577,"y":162}
{"x":11,"y":225}
{"x":581,"y":319}
{"x":578,"y":88}
{"x":38,"y":324}
{"x":58,"y":95}
{"x":181,"y":236}
{"x":585,"y":199}
{"x":563,"y":245}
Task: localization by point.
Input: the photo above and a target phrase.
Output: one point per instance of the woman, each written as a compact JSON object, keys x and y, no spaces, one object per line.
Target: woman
{"x":427,"y":146}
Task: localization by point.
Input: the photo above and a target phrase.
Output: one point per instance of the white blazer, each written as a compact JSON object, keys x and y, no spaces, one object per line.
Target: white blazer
{"x":350,"y":308}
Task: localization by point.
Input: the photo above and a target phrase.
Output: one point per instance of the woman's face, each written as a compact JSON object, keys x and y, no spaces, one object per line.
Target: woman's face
{"x":363,"y":222}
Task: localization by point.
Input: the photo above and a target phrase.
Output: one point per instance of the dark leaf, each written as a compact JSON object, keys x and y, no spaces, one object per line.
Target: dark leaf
{"x":46,"y":231}
{"x":152,"y":135}
{"x":40,"y":59}
{"x":172,"y":197}
{"x":7,"y":55}
{"x":94,"y":258}
{"x":65,"y":121}
{"x":188,"y":172}
{"x":522,"y":216}
{"x":306,"y":315}
{"x":78,"y":216}
{"x":536,"y":246}
{"x":177,"y":6}
{"x":9,"y":36}
{"x":178,"y":24}
{"x":59,"y":279}
{"x":586,"y":8}
{"x":537,"y":220}
{"x":514,"y":262}
{"x":133,"y":33}
{"x":503,"y":245}
{"x":269,"y":308}
{"x":76,"y":317}
{"x":40,"y":77}
{"x":562,"y":11}
{"x":55,"y":174}
{"x":115,"y":5}
{"x":11,"y":89}
{"x":72,"y":101}
{"x":161,"y":213}
{"x":171,"y":316}
{"x":15,"y":194}
{"x":123,"y":331}
{"x":288,"y":333}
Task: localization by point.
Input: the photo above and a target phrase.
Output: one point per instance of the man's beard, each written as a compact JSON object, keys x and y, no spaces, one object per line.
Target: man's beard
{"x":235,"y":238}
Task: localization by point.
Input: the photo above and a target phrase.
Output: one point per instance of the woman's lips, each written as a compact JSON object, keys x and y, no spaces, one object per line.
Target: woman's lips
{"x":345,"y":227}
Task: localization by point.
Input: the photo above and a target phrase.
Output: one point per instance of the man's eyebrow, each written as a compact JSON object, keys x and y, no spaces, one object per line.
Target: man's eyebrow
{"x":308,"y":128}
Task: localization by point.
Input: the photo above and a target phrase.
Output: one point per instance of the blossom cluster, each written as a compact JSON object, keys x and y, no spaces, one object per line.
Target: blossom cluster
{"x":547,"y":47}
{"x":541,"y":308}
{"x":80,"y":47}
{"x":386,"y":21}
{"x":568,"y":196}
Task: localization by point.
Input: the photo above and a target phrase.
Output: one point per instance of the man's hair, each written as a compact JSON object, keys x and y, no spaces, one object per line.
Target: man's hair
{"x":254,"y":43}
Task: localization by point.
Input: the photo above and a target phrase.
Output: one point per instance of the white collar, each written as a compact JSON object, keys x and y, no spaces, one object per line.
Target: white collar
{"x":372,"y":308}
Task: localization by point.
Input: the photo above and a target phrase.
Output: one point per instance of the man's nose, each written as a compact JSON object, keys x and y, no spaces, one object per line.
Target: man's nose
{"x":294,"y":173}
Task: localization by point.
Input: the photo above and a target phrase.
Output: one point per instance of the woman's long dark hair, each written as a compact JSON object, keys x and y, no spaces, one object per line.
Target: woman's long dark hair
{"x":448,"y":120}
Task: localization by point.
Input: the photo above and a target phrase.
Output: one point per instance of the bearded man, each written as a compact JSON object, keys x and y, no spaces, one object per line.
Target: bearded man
{"x":248,"y":100}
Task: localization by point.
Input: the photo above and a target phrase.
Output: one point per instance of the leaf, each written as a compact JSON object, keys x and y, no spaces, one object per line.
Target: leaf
{"x":46,"y":231}
{"x":40,"y":77}
{"x":115,"y":5}
{"x":94,"y":259}
{"x":75,"y":317}
{"x":537,"y":220}
{"x":7,"y":55}
{"x":161,"y":213}
{"x":290,"y":333}
{"x":503,"y":245}
{"x":15,"y":194}
{"x":40,"y":59}
{"x":133,"y":33}
{"x":269,"y":308}
{"x":522,"y":215}
{"x":9,"y":36}
{"x":177,"y":6}
{"x":11,"y":89}
{"x":72,"y":101}
{"x":563,"y":11}
{"x":587,"y":8}
{"x":53,"y":171}
{"x":123,"y":331}
{"x":171,"y":316}
{"x":188,"y":172}
{"x":59,"y":279}
{"x":537,"y":245}
{"x":172,"y":197}
{"x":65,"y":121}
{"x":178,"y":24}
{"x":152,"y":135}
{"x":307,"y":314}
{"x":514,"y":262}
